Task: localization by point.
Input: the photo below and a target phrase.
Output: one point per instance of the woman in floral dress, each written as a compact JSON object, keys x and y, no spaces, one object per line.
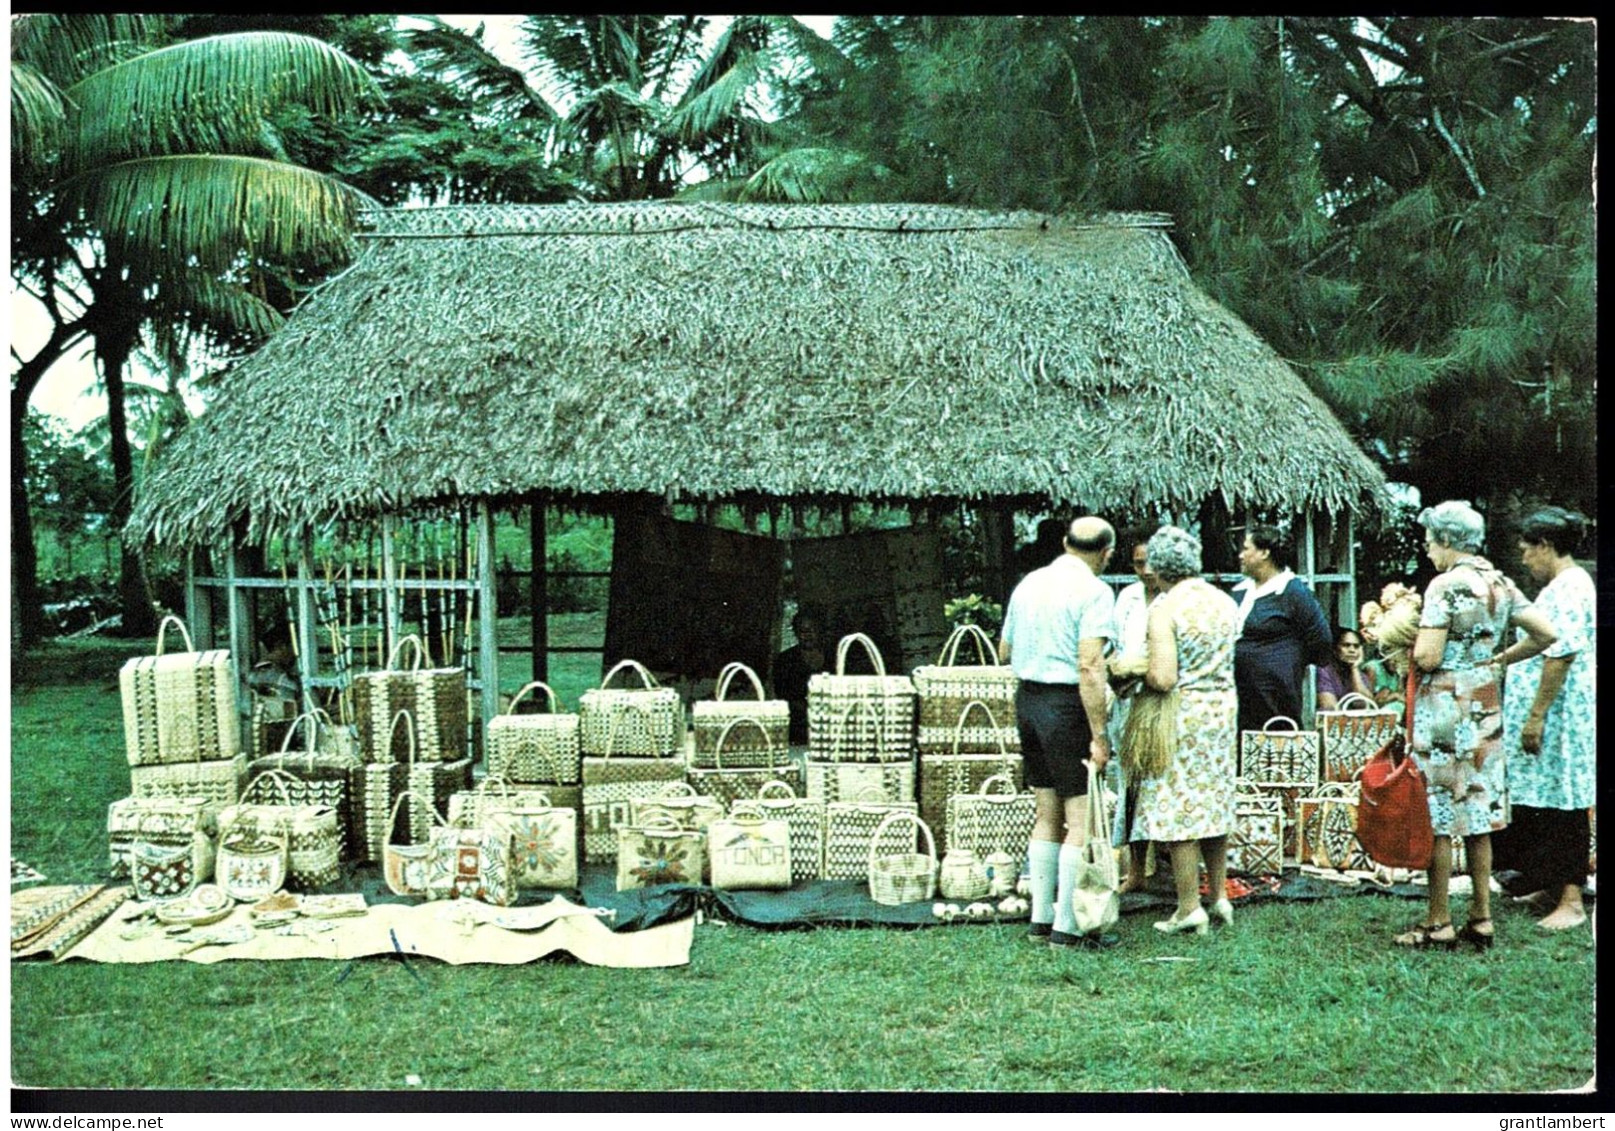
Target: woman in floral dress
{"x":1457,"y":717}
{"x":1192,"y":631}
{"x":1549,"y":713}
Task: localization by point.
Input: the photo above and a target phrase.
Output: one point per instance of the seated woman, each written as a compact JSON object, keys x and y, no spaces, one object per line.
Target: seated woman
{"x":1343,"y":675}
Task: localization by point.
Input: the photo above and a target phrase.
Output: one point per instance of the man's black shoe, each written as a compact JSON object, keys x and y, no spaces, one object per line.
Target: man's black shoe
{"x":1040,"y":932}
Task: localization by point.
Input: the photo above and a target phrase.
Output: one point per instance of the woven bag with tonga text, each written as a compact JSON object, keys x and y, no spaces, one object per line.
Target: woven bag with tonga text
{"x":1256,"y":842}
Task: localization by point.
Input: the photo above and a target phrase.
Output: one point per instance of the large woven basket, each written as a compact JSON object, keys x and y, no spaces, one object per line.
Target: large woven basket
{"x":944,"y":775}
{"x":218,"y":780}
{"x":376,"y":788}
{"x":609,"y":783}
{"x":841,"y":781}
{"x":1352,"y":733}
{"x":886,"y":706}
{"x":805,"y":816}
{"x":729,"y":783}
{"x":436,"y":780}
{"x":1280,"y":757}
{"x":631,"y":722}
{"x":179,"y":707}
{"x":994,"y":819}
{"x":312,"y":836}
{"x":166,"y":821}
{"x":322,"y":777}
{"x":760,"y":745}
{"x":849,"y":826}
{"x":903,"y":876}
{"x":535,"y":749}
{"x":434,"y":697}
{"x":945,"y":689}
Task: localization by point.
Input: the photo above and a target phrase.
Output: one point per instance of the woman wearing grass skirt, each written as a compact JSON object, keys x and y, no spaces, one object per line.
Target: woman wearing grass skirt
{"x":1549,"y":717}
{"x":1457,"y":717}
{"x":1188,"y":803}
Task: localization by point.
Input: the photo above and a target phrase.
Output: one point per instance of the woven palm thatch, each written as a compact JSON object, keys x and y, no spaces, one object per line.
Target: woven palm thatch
{"x":752,"y":351}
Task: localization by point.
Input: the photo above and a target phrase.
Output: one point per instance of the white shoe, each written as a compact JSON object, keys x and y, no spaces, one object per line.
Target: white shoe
{"x":1223,"y":910}
{"x":1195,"y":921}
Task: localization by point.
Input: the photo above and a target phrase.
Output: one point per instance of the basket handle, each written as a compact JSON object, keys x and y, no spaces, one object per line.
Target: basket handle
{"x":747,"y":811}
{"x":840,"y":732}
{"x":660,"y":820}
{"x":729,"y":672}
{"x":309,"y":740}
{"x":635,"y":665}
{"x":870,"y":795}
{"x":869,"y":647}
{"x":1346,"y":700}
{"x":773,"y":786}
{"x":403,"y":713}
{"x":723,"y":735}
{"x":1098,"y":815}
{"x":1294,"y":726}
{"x":412,"y":796}
{"x":992,"y":722}
{"x":891,"y":819}
{"x":277,"y":777}
{"x":555,"y":706}
{"x":415,"y":642}
{"x":678,"y":789}
{"x":162,"y":630}
{"x":986,"y":786}
{"x":986,"y":650}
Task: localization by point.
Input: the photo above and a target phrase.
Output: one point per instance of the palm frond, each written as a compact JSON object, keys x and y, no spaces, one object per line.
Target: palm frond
{"x":719,"y":99}
{"x":37,"y":116}
{"x":809,"y":175}
{"x":66,"y":46}
{"x":613,"y":105}
{"x":797,"y":39}
{"x":203,"y":304}
{"x":214,"y":209}
{"x":207,"y":95}
{"x":461,"y":58}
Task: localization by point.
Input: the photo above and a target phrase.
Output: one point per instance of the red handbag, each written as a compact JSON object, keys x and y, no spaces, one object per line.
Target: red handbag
{"x":1393,"y":812}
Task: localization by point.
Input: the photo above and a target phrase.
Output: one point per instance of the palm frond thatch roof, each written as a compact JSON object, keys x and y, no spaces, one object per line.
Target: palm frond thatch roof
{"x":711,"y":351}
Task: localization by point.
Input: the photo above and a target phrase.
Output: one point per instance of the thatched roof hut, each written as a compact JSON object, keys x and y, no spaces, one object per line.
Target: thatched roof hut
{"x":753,"y":352}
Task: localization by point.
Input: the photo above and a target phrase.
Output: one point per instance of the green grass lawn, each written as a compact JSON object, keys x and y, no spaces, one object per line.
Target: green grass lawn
{"x":1296,"y":997}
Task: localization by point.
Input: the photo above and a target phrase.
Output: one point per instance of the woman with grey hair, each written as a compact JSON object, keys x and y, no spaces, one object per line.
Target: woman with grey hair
{"x":1186,"y":793}
{"x":1457,"y":715}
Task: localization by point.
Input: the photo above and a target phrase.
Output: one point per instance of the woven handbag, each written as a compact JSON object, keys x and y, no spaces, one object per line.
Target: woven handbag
{"x":438,"y":781}
{"x":1351,"y":734}
{"x":659,"y":852}
{"x":609,"y":784}
{"x":996,"y":819}
{"x":728,"y":783}
{"x":535,"y":749}
{"x":903,"y":876}
{"x":471,"y":862}
{"x":756,"y":746}
{"x":943,"y":775}
{"x":170,"y":822}
{"x":434,"y":697}
{"x":849,"y":826}
{"x":680,"y":801}
{"x":179,"y":707}
{"x":946,"y":689}
{"x":749,"y":850}
{"x":1327,"y":822}
{"x":886,"y":731}
{"x":1256,"y":842}
{"x":313,"y":840}
{"x":835,"y":779}
{"x":631,"y":722}
{"x":544,"y":836}
{"x":218,"y":780}
{"x":1279,"y":757}
{"x":322,"y":777}
{"x":251,"y":864}
{"x":805,"y":818}
{"x":404,"y":861}
{"x":162,"y":868}
{"x":376,"y":786}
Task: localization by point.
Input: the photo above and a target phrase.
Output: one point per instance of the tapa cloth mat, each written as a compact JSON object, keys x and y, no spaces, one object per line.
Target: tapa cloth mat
{"x":457,"y":932}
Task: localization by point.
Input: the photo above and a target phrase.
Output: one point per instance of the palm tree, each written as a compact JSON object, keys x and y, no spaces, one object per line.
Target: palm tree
{"x":148,"y":189}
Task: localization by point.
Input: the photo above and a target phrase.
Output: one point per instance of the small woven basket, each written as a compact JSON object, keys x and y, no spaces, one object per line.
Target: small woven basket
{"x":904,"y":876}
{"x":711,"y":721}
{"x":535,"y":749}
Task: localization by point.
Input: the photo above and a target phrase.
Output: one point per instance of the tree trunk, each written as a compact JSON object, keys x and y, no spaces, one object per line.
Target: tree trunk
{"x":113,"y":346}
{"x":27,"y":615}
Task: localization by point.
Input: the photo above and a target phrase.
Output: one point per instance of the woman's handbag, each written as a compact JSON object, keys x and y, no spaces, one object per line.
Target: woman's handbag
{"x":946,"y":689}
{"x":1393,"y":810}
{"x":322,"y":775}
{"x":711,"y":719}
{"x":434,"y":697}
{"x":888,"y":699}
{"x":942,"y":775}
{"x":218,"y":780}
{"x":160,"y":871}
{"x":1256,"y":842}
{"x":1327,"y":823}
{"x":994,"y":820}
{"x":805,"y":817}
{"x":251,"y":864}
{"x":1279,"y":757}
{"x":838,"y":777}
{"x":544,"y":840}
{"x":403,"y":862}
{"x":437,"y":781}
{"x":1095,"y":902}
{"x":470,"y":863}
{"x":535,"y":749}
{"x":631,"y":722}
{"x":179,"y":707}
{"x":171,"y":821}
{"x":728,"y":783}
{"x":849,"y":828}
{"x":904,"y":876}
{"x":747,"y":850}
{"x":659,"y":852}
{"x":609,"y":784}
{"x":313,"y":839}
{"x":1351,"y":734}
{"x":680,"y":801}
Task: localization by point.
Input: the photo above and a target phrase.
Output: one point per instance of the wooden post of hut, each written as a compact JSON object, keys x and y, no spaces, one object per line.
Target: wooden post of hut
{"x":539,"y":591}
{"x":488,"y":615}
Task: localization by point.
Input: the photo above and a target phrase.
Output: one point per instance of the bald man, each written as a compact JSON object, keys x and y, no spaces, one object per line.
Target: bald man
{"x":1059,"y":621}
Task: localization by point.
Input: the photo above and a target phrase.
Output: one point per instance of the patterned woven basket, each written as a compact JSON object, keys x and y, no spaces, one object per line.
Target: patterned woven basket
{"x":219,"y":781}
{"x":179,"y":707}
{"x":313,"y":840}
{"x":849,"y":827}
{"x":323,"y":777}
{"x":730,"y":784}
{"x":945,"y":689}
{"x":944,"y":775}
{"x":1279,"y":757}
{"x":886,"y":731}
{"x":434,"y":697}
{"x":1327,"y":828}
{"x":994,"y":819}
{"x":1351,"y":734}
{"x":840,"y":781}
{"x":1256,"y":843}
{"x":805,"y":815}
{"x":544,"y":836}
{"x":169,"y":821}
{"x":752,"y":747}
{"x":904,"y":876}
{"x":376,"y":787}
{"x":438,"y":781}
{"x":535,"y":749}
{"x":609,"y":783}
{"x":631,"y":722}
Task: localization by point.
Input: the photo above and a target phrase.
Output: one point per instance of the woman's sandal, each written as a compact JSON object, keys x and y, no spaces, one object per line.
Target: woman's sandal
{"x":1482,"y":940}
{"x":1423,"y":937}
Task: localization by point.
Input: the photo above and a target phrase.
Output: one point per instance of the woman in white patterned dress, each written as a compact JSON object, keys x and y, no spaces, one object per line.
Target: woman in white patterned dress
{"x":1549,"y":728}
{"x":1189,"y":805}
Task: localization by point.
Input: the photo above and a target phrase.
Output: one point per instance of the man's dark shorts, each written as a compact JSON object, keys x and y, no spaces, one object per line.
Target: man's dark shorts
{"x":1054,"y":736}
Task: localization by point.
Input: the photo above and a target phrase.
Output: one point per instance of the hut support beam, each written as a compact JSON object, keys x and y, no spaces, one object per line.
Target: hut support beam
{"x":240,"y":630}
{"x":389,"y":592}
{"x":308,"y":646}
{"x":198,"y":605}
{"x":488,"y":615}
{"x":539,"y":593}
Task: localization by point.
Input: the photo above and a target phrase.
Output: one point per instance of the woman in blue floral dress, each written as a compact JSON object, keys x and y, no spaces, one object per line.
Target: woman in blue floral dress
{"x":1549,"y":713}
{"x":1457,"y":736}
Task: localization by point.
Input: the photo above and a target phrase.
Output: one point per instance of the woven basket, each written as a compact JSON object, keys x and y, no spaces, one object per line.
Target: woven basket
{"x":1256,"y":842}
{"x":160,"y":869}
{"x":609,"y":784}
{"x":943,"y":775}
{"x":994,"y":819}
{"x":543,"y":835}
{"x":535,"y":749}
{"x":323,"y":777}
{"x":219,"y":781}
{"x":849,"y":826}
{"x":179,"y":707}
{"x":947,"y":688}
{"x":1326,"y":832}
{"x":376,"y":786}
{"x":752,"y":747}
{"x":1350,"y":735}
{"x":841,"y":781}
{"x":631,"y":722}
{"x":434,"y":697}
{"x":659,"y":852}
{"x":313,"y":841}
{"x":436,"y":780}
{"x":1279,"y":757}
{"x":168,"y":821}
{"x":681,"y":803}
{"x":904,"y":876}
{"x":749,"y":850}
{"x":251,"y":864}
{"x":886,"y":731}
{"x":805,"y":816}
{"x":404,"y":862}
{"x":728,"y":783}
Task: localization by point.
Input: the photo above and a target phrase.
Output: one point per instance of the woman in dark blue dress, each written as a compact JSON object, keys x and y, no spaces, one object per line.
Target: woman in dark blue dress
{"x":1282,"y":630}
